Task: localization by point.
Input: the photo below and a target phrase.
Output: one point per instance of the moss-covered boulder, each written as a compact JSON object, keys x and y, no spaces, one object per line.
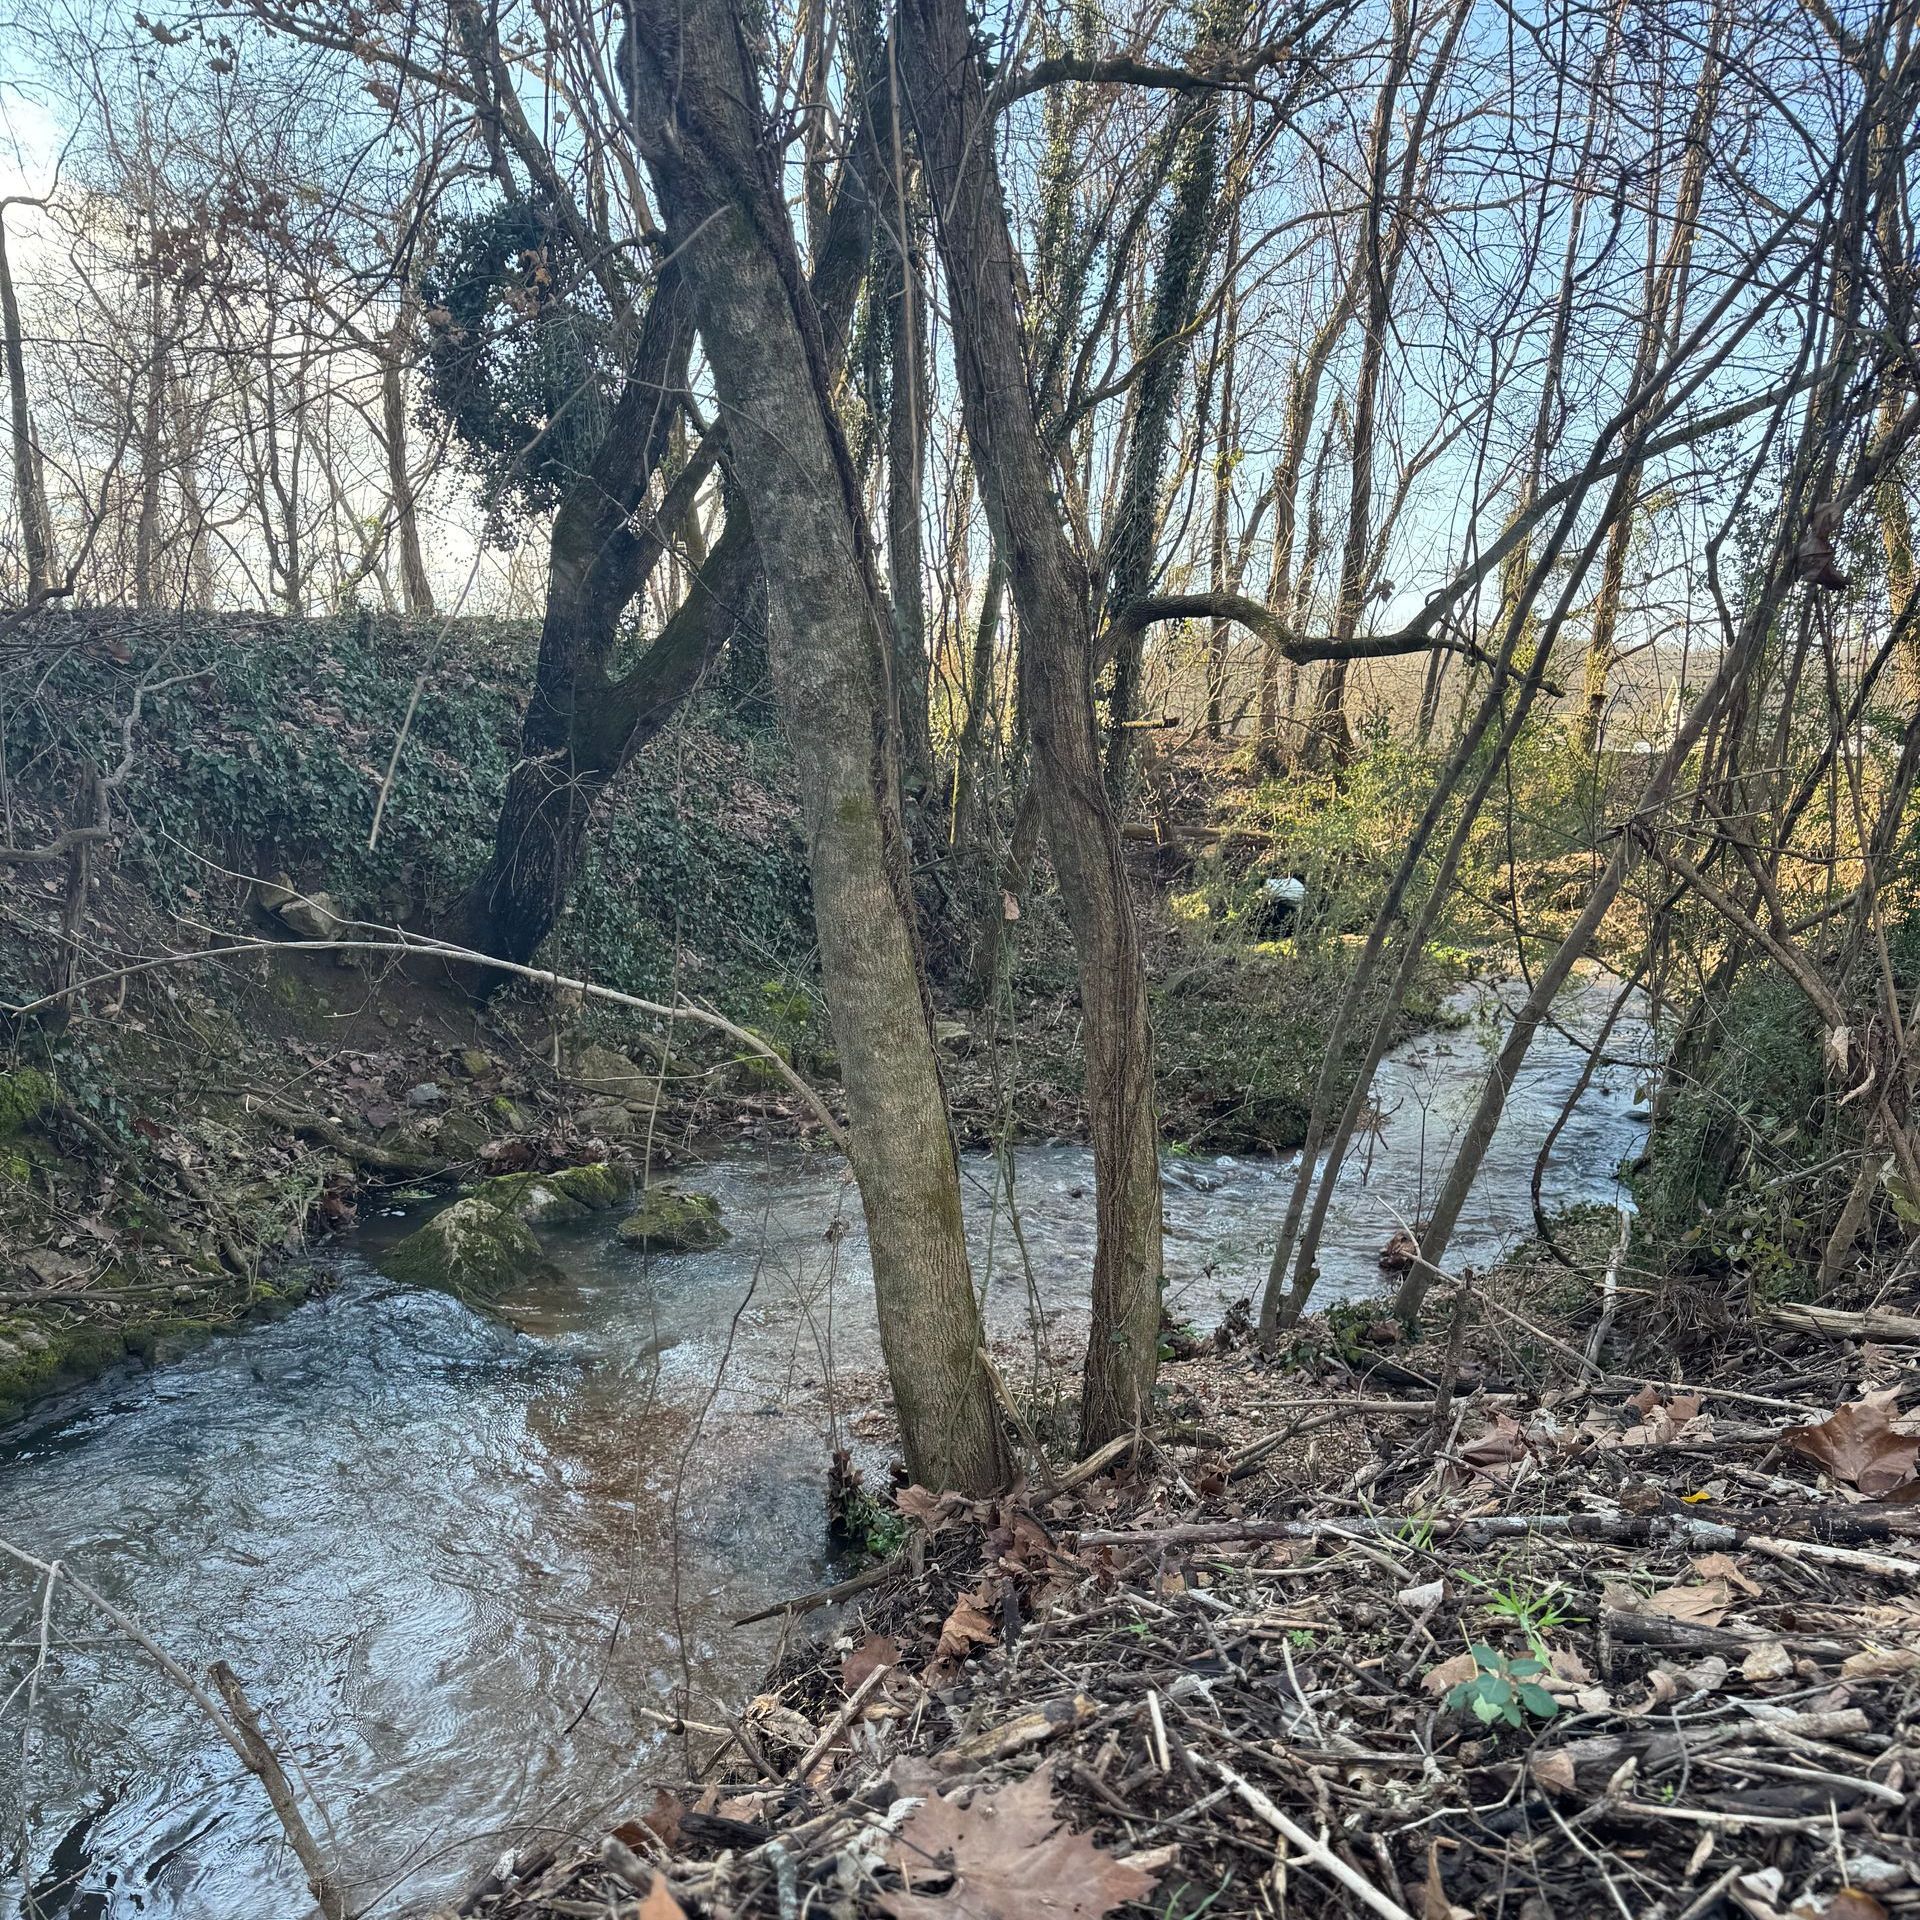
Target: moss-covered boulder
{"x":603,"y":1071}
{"x":557,"y":1198}
{"x":668,"y":1220}
{"x":473,"y":1248}
{"x":25,"y":1094}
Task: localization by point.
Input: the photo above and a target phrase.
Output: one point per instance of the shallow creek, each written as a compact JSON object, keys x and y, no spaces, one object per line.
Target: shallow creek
{"x":459,"y":1560}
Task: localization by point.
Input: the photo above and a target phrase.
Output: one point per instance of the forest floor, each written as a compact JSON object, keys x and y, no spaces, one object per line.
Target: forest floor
{"x":1468,"y":1628}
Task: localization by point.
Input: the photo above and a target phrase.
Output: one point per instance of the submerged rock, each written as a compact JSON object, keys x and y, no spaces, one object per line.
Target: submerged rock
{"x":668,"y":1220}
{"x":473,"y":1248}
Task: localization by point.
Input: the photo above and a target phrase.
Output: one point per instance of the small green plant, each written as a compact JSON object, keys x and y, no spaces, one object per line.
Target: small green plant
{"x":1501,"y":1690}
{"x":1302,"y":1639}
{"x":1536,"y":1611}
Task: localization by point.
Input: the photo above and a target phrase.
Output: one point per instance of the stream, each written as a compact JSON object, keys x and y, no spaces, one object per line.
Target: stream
{"x":466,"y":1564}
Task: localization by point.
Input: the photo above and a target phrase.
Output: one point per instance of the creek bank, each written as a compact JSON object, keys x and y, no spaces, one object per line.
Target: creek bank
{"x":1481,"y":1636}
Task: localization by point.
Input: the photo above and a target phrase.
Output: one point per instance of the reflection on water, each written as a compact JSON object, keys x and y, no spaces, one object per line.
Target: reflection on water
{"x":459,"y":1562}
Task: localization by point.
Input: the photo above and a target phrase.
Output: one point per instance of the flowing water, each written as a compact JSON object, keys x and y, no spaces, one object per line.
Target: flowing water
{"x":466,"y":1563}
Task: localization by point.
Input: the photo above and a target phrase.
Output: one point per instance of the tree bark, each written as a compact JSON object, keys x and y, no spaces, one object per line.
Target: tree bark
{"x":1052,"y":592}
{"x":694,"y":95}
{"x":29,"y":486}
{"x":416,"y":590}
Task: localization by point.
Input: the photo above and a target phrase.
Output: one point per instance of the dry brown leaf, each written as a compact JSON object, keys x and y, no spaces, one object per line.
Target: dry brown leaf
{"x":1662,"y":1690}
{"x":1554,"y":1771}
{"x":1564,"y":1664}
{"x":1858,"y":1445}
{"x":1723,"y":1566}
{"x":1879,"y":1663}
{"x":1768,"y":1661}
{"x":1434,"y":1904}
{"x":1851,"y":1903}
{"x":659,"y":1903}
{"x":1449,"y":1673}
{"x":1703,"y":1606}
{"x":932,"y":1510}
{"x":966,"y":1627}
{"x":1009,"y":1856}
{"x":876,"y":1650}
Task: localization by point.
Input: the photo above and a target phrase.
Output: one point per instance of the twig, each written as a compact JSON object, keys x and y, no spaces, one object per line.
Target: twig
{"x":1316,"y":1851}
{"x":838,"y":1724}
{"x":419,"y":947}
{"x":826,"y":1596}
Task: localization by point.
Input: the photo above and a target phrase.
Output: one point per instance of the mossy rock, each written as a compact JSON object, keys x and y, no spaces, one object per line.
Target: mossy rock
{"x":554,"y":1199}
{"x":462,"y":1134}
{"x":670,"y":1221}
{"x":38,"y":1360}
{"x":601,"y":1070}
{"x":25,"y":1094}
{"x":474,"y":1248}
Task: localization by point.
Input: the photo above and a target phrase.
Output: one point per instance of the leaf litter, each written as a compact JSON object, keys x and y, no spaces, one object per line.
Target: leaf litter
{"x":1550,"y":1652}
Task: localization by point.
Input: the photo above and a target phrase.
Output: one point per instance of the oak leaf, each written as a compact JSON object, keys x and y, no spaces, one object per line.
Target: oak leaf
{"x":1007,"y":1855}
{"x":1859,"y":1445}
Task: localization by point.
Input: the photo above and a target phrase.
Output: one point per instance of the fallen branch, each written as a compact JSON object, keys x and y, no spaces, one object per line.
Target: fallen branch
{"x":241,"y":1732}
{"x":1621,"y":1529}
{"x":1875,"y":1323}
{"x":419,"y":947}
{"x":826,"y":1596}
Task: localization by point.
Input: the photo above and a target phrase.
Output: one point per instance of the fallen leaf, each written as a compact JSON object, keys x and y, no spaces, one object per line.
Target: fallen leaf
{"x":1662,"y":1690}
{"x":1704,"y":1676}
{"x":1703,"y":1606}
{"x":876,"y":1650}
{"x":1723,"y":1566}
{"x":659,"y":1903}
{"x":932,"y":1510}
{"x":1434,"y":1904}
{"x":1851,"y":1904}
{"x":1858,"y":1445}
{"x":1009,"y":1856}
{"x":1768,"y":1661}
{"x":1554,"y":1771}
{"x":1758,"y":1894}
{"x":966,"y":1627}
{"x":1879,"y":1663}
{"x":1564,"y":1664}
{"x":1449,"y":1673}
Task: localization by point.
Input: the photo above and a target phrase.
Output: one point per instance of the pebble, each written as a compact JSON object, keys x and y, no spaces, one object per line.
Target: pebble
{"x":427,"y":1094}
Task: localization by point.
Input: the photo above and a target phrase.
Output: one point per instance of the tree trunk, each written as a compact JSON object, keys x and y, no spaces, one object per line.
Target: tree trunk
{"x":1053,"y":596}
{"x":694,"y":95}
{"x":29,"y":484}
{"x":1665,"y":295}
{"x":416,"y":590}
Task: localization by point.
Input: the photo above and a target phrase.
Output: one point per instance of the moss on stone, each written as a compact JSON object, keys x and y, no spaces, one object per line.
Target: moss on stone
{"x":553,"y":1199}
{"x":37,"y":1360}
{"x":25,"y":1094}
{"x":670,"y":1221}
{"x":474,"y":1248}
